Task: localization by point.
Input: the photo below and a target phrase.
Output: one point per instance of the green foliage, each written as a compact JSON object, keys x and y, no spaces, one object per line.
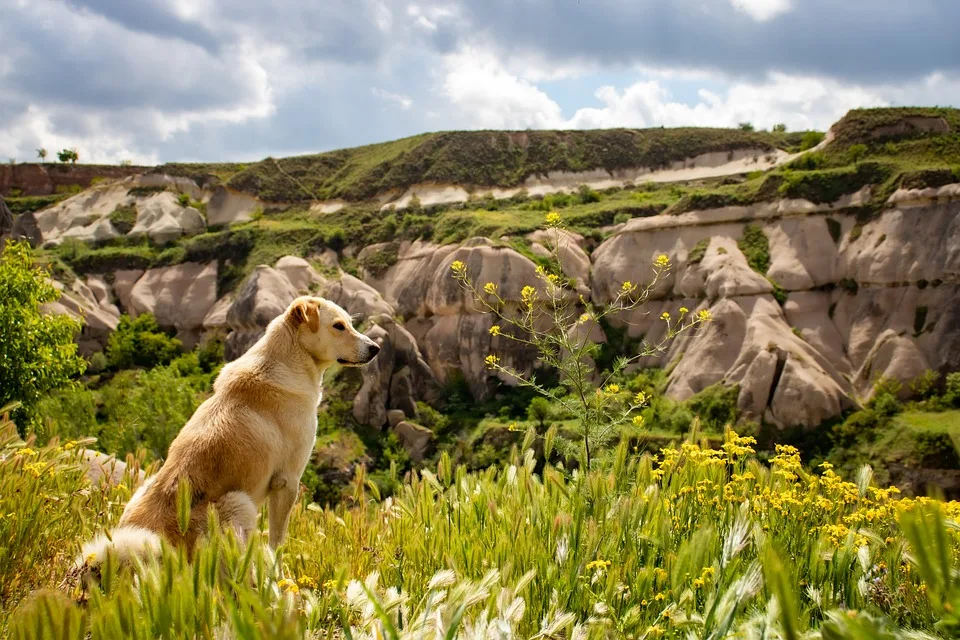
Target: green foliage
{"x":745,"y":126}
{"x":540,"y":412}
{"x":28,"y":204}
{"x":37,"y":351}
{"x":716,"y":406}
{"x":756,"y":248}
{"x":779,"y":128}
{"x":134,"y":410}
{"x":144,"y":192}
{"x":124,"y":218}
{"x":828,"y":185}
{"x":139,"y":342}
{"x":698,"y":252}
{"x":811,"y":139}
{"x":68,"y":155}
{"x":779,"y":293}
{"x":692,"y":560}
{"x":377,"y":262}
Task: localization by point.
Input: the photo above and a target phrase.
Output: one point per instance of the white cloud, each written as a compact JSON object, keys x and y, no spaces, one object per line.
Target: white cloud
{"x":403,"y":101}
{"x":762,"y":10}
{"x":489,"y":96}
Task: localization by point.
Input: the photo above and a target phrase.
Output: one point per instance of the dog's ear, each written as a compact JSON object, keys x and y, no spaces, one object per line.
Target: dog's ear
{"x":305,"y":311}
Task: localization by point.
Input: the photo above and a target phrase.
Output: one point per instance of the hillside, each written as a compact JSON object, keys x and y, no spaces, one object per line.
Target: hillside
{"x":827,"y":269}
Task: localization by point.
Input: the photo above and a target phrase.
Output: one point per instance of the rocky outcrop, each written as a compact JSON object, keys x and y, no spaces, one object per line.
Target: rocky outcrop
{"x":179,"y":297}
{"x":44,"y":179}
{"x":416,"y":440}
{"x":153,"y":200}
{"x":99,"y":318}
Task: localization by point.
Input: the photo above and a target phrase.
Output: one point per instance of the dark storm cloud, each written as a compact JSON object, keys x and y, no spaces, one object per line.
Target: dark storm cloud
{"x":855,"y":40}
{"x":150,"y":16}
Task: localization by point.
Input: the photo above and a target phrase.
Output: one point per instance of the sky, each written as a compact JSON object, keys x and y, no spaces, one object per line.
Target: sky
{"x":153,"y":81}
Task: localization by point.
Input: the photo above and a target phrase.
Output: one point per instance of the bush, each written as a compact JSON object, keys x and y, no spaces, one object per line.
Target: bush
{"x":124,"y":218}
{"x":540,"y":412}
{"x":756,"y":248}
{"x":716,"y":406}
{"x":811,"y":139}
{"x":139,"y":342}
{"x":37,"y":351}
{"x":884,"y":400}
{"x":698,"y":252}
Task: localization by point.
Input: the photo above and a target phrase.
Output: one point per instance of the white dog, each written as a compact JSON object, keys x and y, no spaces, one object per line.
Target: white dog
{"x":250,"y":441}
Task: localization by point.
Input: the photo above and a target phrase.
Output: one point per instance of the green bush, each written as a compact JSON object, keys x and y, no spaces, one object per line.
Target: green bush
{"x":716,"y":406}
{"x":540,"y":411}
{"x":139,"y":342}
{"x":37,"y":351}
{"x":811,"y":139}
{"x":756,"y":248}
{"x":698,"y":252}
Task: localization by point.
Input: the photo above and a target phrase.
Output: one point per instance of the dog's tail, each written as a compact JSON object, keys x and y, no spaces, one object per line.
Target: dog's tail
{"x":124,"y":545}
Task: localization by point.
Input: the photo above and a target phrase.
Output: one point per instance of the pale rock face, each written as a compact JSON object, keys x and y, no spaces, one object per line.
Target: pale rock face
{"x":227,"y":206}
{"x":566,"y":245}
{"x":79,"y":301}
{"x":299,"y":272}
{"x":178,"y":296}
{"x":894,"y":356}
{"x":415,"y":439}
{"x":264,"y":295}
{"x":161,"y":217}
{"x":357,"y":297}
{"x":123,"y":281}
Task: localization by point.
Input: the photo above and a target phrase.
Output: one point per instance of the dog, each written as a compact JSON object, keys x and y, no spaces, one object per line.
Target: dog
{"x":246,"y":445}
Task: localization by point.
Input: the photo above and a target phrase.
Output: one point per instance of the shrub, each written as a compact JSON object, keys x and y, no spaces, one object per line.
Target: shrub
{"x":716,"y":406}
{"x":540,"y":412}
{"x":586,"y":195}
{"x":779,"y":128}
{"x":811,"y":139}
{"x":698,"y":252}
{"x":756,"y":248}
{"x":37,"y":351}
{"x":925,"y":385}
{"x":139,"y":342}
{"x":124,"y":218}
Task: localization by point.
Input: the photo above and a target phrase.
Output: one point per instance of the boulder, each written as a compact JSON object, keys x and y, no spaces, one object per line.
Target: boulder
{"x":416,"y":440}
{"x":227,"y":206}
{"x":163,"y":219}
{"x":103,"y":469}
{"x":179,"y":296}
{"x":264,"y":295}
{"x":395,"y":417}
{"x":299,"y":272}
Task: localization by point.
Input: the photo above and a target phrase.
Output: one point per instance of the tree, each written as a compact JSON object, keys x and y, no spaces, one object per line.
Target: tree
{"x":780,"y":128}
{"x":42,"y":154}
{"x":139,"y":342}
{"x":68,"y":155}
{"x":539,"y":411}
{"x":745,"y":126}
{"x":37,"y":351}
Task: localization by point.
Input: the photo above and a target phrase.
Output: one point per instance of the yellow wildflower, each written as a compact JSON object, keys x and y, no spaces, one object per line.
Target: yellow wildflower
{"x":638,"y":421}
{"x":491,"y":360}
{"x":458,"y":267}
{"x":490,"y":288}
{"x":598,"y":564}
{"x":513,"y":427}
{"x":584,"y":318}
{"x":307,"y":582}
{"x":288,"y":585}
{"x":528,"y":295}
{"x":495,"y":330}
{"x":553,"y":218}
{"x":640,"y":398}
{"x":662,"y":261}
{"x":654,"y":632}
{"x":612,"y":389}
{"x":704,"y":315}
{"x":25,"y":452}
{"x":330,"y":585}
{"x":665,"y":316}
{"x":626,"y":286}
{"x":684,"y":310}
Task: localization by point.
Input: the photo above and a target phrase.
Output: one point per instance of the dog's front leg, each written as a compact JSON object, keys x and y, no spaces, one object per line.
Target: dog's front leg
{"x":283,"y":495}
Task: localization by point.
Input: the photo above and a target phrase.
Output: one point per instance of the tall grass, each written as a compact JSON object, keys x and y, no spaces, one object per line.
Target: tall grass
{"x":694,"y":542}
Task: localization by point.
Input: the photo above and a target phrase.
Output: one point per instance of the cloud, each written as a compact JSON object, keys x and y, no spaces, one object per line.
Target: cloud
{"x":762,"y":10}
{"x":402,"y":101}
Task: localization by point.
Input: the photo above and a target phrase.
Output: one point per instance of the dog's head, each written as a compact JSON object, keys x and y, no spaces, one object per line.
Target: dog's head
{"x":326,"y":331}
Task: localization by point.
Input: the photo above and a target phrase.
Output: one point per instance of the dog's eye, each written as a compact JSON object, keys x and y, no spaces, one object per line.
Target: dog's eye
{"x":339,"y":326}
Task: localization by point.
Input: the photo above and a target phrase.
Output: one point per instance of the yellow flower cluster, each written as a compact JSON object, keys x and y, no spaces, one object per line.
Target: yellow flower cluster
{"x":490,"y":288}
{"x":662,"y":261}
{"x":553,"y":219}
{"x":458,"y":267}
{"x":598,"y":564}
{"x":491,"y":360}
{"x":495,"y":330}
{"x":528,"y":295}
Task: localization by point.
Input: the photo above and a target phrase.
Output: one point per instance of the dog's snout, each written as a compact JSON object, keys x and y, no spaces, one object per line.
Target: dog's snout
{"x":374,"y":350}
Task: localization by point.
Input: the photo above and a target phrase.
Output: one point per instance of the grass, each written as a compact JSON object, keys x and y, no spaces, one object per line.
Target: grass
{"x":481,"y":158}
{"x":123,"y":218}
{"x":944,"y":422}
{"x":693,"y":541}
{"x":27,"y":204}
{"x":756,"y":248}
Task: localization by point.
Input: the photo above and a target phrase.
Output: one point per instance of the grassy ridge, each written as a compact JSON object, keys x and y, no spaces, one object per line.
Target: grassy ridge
{"x":474,"y":158}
